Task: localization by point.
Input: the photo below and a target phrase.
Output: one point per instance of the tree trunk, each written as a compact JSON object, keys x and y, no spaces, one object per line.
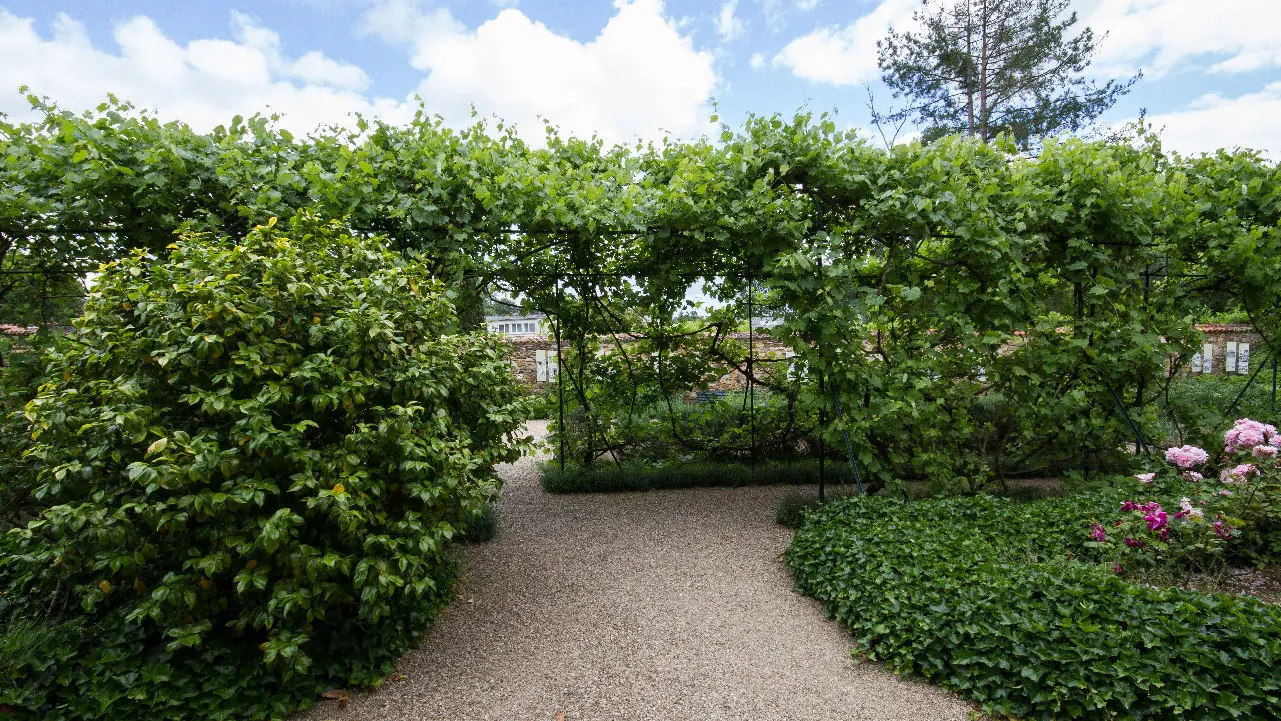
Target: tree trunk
{"x":969,"y":69}
{"x":984,"y":54}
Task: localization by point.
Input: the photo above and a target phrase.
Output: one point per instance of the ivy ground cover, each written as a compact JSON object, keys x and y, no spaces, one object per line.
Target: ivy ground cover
{"x":1006,"y":604}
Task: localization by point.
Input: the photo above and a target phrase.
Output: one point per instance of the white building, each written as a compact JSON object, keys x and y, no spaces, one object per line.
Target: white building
{"x":518,"y":325}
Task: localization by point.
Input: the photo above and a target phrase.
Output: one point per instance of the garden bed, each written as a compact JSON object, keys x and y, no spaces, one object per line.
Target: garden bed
{"x":1008,"y":605}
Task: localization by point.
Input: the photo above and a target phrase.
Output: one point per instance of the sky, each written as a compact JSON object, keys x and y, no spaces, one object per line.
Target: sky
{"x":622,"y":69}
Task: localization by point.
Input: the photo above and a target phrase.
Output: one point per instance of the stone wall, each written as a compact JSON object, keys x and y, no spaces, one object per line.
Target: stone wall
{"x":1224,"y":343}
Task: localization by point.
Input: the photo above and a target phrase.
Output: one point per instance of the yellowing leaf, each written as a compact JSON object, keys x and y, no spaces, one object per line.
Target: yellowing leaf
{"x":105,"y":586}
{"x":338,"y":488}
{"x":159,"y":445}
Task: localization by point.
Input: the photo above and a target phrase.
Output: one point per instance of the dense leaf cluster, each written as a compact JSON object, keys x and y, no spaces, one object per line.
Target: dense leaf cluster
{"x":253,"y":456}
{"x":1001,"y":602}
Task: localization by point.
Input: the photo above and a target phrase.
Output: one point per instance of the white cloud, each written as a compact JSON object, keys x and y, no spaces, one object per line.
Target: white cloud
{"x":1213,"y":121}
{"x":805,"y":5}
{"x":845,"y":55}
{"x":639,"y":77}
{"x":758,"y":61}
{"x":1162,"y":35}
{"x":727,"y":25}
{"x":204,"y":82}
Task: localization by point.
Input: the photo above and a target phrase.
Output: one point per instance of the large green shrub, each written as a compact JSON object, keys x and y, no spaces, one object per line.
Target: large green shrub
{"x":992,"y":599}
{"x":21,"y":372}
{"x":255,"y":456}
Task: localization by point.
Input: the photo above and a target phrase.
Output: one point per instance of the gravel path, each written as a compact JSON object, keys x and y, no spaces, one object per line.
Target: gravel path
{"x":660,"y":605}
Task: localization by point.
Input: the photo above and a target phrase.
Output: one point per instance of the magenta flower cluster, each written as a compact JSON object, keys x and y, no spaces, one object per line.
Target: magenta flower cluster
{"x":1187,"y":457}
{"x":1246,"y":435}
{"x":1099,"y":533}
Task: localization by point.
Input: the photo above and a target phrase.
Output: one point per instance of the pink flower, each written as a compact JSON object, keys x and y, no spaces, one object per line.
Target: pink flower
{"x":1225,"y":492}
{"x":1193,"y":476}
{"x":1098,"y":533}
{"x":1133,"y":543}
{"x":1165,"y":534}
{"x":1129,"y":506}
{"x":1237,"y":475}
{"x":1118,"y":569}
{"x":1186,"y":457}
{"x":1145,"y":477}
{"x":1265,"y":451}
{"x":1247,"y":434}
{"x":1222,"y":531}
{"x":1197,"y":513}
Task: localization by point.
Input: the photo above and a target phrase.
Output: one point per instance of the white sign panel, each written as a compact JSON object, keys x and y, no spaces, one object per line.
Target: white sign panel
{"x":540,"y":365}
{"x":1207,"y":358}
{"x":1230,"y":357}
{"x":1196,"y":363}
{"x":1243,"y":358}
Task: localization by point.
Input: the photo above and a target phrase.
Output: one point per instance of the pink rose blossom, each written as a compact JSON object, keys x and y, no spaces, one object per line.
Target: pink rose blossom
{"x":1265,"y":451}
{"x":1193,"y":476}
{"x":1145,"y":477}
{"x":1247,"y":434}
{"x":1186,"y":457}
{"x":1237,"y":475}
{"x":1098,"y":533}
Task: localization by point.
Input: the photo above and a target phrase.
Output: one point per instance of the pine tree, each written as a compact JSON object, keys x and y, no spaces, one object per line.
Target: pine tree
{"x":982,"y":67}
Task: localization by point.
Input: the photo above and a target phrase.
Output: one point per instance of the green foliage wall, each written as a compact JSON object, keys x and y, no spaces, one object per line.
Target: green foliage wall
{"x":902,"y":275}
{"x":254,"y":456}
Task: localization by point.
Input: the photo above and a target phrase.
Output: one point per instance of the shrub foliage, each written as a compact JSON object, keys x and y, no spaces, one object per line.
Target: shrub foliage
{"x":254,"y":456}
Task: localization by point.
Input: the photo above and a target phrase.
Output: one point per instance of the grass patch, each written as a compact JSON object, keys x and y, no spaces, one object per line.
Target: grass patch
{"x":637,"y":477}
{"x":1003,"y":603}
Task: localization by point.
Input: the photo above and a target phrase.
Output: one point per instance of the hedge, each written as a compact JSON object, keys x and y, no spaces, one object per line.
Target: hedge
{"x":642,"y":477}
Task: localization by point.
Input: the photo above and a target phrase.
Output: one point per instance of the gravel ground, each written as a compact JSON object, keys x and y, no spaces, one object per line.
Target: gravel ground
{"x":658,"y":605}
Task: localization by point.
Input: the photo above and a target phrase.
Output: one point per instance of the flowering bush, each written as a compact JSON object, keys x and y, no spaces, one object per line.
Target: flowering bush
{"x":1238,"y":517}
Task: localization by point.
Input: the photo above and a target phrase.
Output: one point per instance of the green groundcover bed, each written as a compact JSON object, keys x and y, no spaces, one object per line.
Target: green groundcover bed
{"x":1002,"y":603}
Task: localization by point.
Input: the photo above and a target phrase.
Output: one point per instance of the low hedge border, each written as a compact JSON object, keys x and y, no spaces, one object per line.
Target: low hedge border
{"x":1002,"y":603}
{"x":635,"y":477}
